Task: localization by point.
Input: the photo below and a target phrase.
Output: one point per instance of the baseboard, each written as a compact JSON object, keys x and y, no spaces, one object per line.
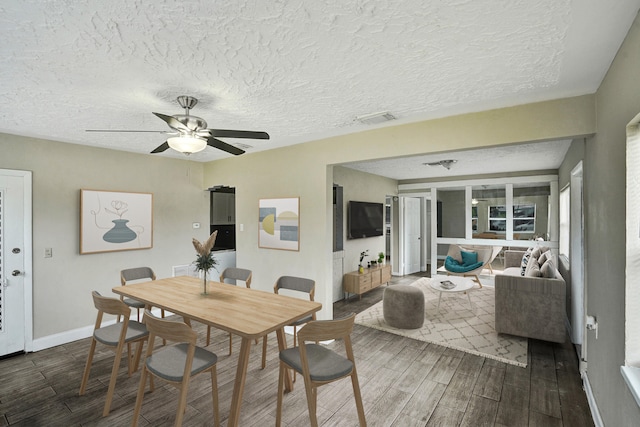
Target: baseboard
{"x":72,"y":335}
{"x":595,"y":413}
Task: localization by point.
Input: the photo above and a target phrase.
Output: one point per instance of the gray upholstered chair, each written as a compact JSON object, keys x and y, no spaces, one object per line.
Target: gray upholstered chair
{"x":115,"y":335}
{"x":176,"y":364}
{"x":297,"y":284}
{"x":235,"y":274}
{"x":136,"y":274}
{"x":320,"y":365}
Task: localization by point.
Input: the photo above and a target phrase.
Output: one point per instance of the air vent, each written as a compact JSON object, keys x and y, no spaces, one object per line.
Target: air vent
{"x":376,"y":118}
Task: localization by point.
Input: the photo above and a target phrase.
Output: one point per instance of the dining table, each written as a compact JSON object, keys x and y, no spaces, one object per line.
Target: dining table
{"x":248,"y":313}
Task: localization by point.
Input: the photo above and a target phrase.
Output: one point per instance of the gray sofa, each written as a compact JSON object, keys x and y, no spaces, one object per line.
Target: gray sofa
{"x":529,"y":306}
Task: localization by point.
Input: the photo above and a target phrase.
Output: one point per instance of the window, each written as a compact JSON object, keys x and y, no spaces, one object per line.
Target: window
{"x":524,"y":218}
{"x":498,"y":218}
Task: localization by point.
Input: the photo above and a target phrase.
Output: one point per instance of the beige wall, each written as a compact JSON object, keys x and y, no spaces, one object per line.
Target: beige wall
{"x":62,"y":284}
{"x":604,"y":181}
{"x":363,"y":187}
{"x":305,"y":170}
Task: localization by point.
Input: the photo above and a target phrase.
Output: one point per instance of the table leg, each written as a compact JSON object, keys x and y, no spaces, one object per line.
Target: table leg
{"x":238,"y":386}
{"x":282,"y":344}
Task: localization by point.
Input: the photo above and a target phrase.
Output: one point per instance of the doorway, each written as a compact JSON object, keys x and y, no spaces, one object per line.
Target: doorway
{"x":411,"y":235}
{"x":15,"y":261}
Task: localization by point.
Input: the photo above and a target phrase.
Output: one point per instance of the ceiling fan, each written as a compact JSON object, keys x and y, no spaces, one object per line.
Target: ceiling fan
{"x":189,"y":134}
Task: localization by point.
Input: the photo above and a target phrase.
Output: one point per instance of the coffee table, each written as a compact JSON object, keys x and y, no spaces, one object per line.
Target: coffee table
{"x":462,"y":284}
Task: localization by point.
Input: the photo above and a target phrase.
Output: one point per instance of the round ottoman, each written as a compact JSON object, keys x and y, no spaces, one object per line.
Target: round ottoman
{"x":403,"y":307}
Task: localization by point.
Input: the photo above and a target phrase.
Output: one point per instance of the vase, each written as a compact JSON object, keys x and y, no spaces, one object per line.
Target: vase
{"x":120,"y":233}
{"x":204,"y":283}
{"x":360,"y":269}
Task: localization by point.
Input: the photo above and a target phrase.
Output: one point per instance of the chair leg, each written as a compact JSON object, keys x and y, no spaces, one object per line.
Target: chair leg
{"x":311,"y":403}
{"x":112,"y":381}
{"x":182,"y":402}
{"x":358,"y":397}
{"x":214,"y":393}
{"x":208,"y":336}
{"x":87,"y":367}
{"x":230,"y":343}
{"x":140,"y":396}
{"x":280,"y":394}
{"x":129,"y":357}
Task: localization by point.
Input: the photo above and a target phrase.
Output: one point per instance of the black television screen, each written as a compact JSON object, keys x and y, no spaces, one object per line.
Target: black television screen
{"x":364,"y":219}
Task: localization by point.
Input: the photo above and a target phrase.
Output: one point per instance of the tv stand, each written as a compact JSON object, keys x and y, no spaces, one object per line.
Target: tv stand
{"x":359,"y":283}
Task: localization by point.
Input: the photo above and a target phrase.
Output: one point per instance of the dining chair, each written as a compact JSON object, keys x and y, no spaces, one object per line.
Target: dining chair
{"x":297,"y":284}
{"x":136,"y":274}
{"x":115,"y":335}
{"x":320,"y":365}
{"x":235,"y":274}
{"x":176,"y":363}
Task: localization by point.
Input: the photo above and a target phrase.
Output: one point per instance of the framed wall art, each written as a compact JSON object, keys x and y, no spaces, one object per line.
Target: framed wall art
{"x":279,"y":224}
{"x":115,"y":221}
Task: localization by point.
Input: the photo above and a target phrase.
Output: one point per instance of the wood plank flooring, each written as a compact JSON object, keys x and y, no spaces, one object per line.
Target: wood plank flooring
{"x":403,"y":382}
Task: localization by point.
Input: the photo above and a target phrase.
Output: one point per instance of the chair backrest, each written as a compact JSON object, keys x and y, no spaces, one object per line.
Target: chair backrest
{"x":110,"y":306}
{"x":137,"y":273}
{"x":169,"y":330}
{"x":235,"y":273}
{"x":323,"y":330}
{"x":296,"y":284}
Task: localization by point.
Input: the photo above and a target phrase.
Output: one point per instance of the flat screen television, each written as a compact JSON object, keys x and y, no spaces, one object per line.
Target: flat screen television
{"x":364,"y":219}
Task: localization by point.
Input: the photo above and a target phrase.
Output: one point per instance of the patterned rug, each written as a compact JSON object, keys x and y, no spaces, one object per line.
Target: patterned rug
{"x":456,"y":325}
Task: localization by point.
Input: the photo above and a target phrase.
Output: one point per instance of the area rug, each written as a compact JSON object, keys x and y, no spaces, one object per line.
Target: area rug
{"x":457,"y":325}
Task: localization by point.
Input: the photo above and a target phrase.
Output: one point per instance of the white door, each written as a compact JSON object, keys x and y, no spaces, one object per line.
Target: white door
{"x":15,"y":260}
{"x":411,"y":222}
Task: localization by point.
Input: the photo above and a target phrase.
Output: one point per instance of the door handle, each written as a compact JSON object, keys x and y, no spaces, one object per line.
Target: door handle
{"x":16,"y":273}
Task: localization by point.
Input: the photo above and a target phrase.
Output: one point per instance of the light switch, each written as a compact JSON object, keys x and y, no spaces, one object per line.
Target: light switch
{"x":48,"y":252}
{"x":241,"y":227}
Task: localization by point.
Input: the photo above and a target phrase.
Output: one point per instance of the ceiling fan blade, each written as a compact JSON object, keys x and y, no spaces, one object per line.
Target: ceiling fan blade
{"x":216,"y":143}
{"x":161,"y":148}
{"x":227,"y":133}
{"x":122,"y":130}
{"x":171,"y":121}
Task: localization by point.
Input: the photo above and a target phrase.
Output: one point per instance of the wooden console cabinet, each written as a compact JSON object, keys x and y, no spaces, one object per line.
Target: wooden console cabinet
{"x":356,"y":283}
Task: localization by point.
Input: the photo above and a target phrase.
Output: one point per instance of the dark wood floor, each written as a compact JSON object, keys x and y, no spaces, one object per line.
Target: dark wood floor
{"x":404,"y":383}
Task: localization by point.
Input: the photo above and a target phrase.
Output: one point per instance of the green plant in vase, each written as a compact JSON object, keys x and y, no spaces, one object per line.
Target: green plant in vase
{"x":205,"y":259}
{"x":380,"y":258}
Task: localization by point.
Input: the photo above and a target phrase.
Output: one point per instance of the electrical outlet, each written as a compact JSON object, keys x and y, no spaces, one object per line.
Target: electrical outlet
{"x":48,"y":252}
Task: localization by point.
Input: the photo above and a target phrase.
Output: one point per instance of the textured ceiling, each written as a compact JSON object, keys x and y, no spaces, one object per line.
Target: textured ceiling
{"x":297,"y":70}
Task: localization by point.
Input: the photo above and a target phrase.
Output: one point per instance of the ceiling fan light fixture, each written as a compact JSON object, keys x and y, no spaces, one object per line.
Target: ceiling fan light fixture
{"x":187,"y":144}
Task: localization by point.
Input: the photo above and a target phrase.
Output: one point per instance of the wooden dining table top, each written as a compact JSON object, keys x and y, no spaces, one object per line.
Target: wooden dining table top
{"x":246,"y":312}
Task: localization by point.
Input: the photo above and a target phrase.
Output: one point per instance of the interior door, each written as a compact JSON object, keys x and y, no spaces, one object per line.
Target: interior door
{"x":15,"y":260}
{"x":577,"y":264}
{"x":411,"y":222}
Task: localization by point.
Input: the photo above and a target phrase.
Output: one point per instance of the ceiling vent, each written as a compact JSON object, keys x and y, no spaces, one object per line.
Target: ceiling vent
{"x":376,"y":118}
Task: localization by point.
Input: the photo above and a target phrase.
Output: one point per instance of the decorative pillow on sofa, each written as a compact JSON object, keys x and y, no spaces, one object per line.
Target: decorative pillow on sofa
{"x":469,"y":258}
{"x":525,"y":261}
{"x":533,"y":270}
{"x":545,"y":256}
{"x":548,"y":270}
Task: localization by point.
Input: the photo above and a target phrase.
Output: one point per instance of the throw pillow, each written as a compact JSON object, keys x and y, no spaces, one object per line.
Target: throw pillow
{"x":536,"y":252}
{"x":454,"y":252}
{"x":545,"y":256}
{"x":533,"y":270}
{"x":548,"y":270}
{"x":531,"y":266}
{"x":525,"y":261}
{"x":469,"y":258}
